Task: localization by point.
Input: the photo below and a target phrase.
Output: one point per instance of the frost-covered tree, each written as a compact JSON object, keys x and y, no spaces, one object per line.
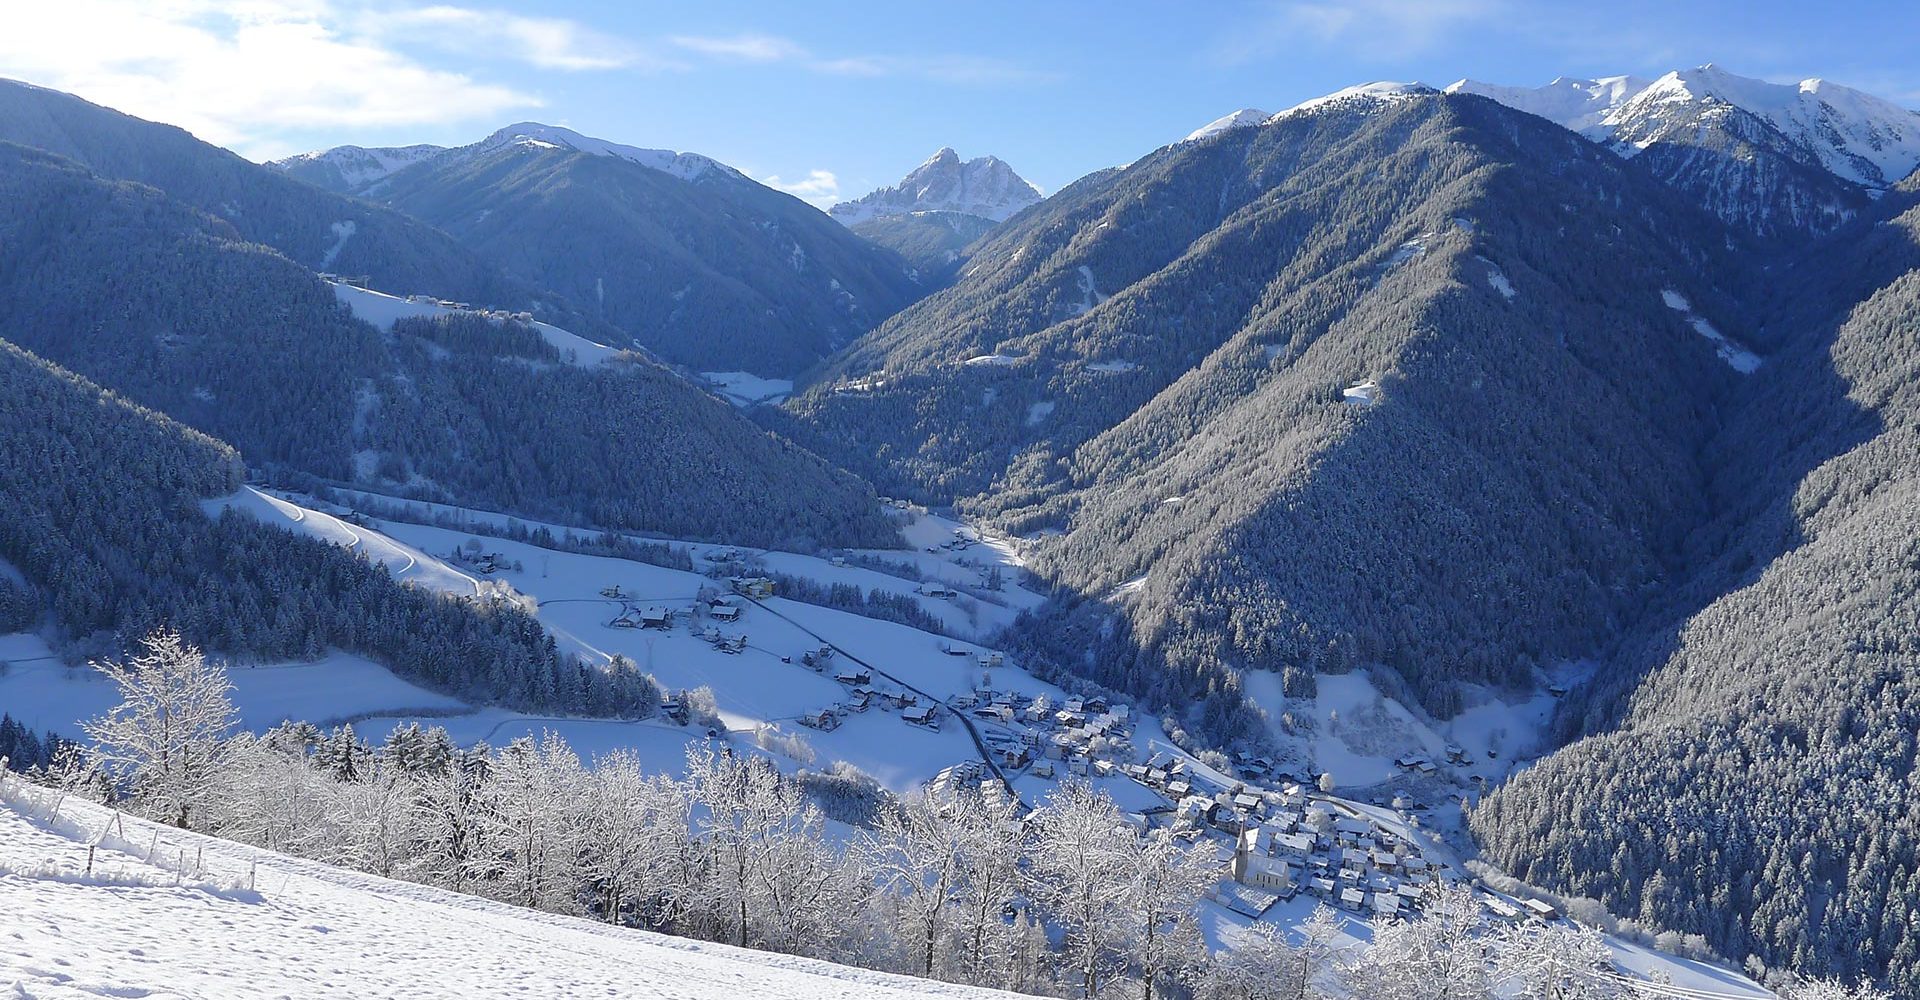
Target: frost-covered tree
{"x":1259,"y":966}
{"x":1441,"y":956}
{"x":164,"y":738}
{"x":1555,"y":962}
{"x":1081,"y":863}
{"x":1167,"y":880}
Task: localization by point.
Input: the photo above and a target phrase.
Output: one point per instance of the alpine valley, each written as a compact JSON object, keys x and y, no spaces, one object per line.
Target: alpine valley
{"x":1425,"y":542}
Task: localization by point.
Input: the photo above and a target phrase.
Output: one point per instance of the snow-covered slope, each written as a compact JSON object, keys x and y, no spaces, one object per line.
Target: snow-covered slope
{"x":242,"y":922}
{"x":686,"y":166}
{"x":1852,"y":134}
{"x":983,"y":186}
{"x":360,"y":170}
{"x":1774,"y":158}
{"x":1361,"y":97}
{"x":1243,"y":118}
{"x":350,"y":168}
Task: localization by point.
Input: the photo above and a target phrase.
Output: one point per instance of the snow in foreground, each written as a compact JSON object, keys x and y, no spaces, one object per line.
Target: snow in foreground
{"x":134,"y":928}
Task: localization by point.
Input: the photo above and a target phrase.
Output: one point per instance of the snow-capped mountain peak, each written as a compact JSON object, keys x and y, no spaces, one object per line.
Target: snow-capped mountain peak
{"x":1860,"y":138}
{"x":358,"y":166}
{"x":687,"y":166}
{"x":1581,"y":105}
{"x":984,"y":186}
{"x":1243,"y":118}
{"x":1363,"y":96}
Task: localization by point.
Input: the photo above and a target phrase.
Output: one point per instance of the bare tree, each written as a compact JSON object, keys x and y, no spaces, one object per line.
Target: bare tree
{"x":164,"y":739}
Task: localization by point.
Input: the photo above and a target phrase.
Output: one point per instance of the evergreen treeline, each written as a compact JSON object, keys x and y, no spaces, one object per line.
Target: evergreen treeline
{"x":1751,"y":774}
{"x":475,"y":333}
{"x":117,"y":282}
{"x":101,"y":507}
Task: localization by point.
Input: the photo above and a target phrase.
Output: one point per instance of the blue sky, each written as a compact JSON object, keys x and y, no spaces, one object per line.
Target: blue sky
{"x":832,"y":99}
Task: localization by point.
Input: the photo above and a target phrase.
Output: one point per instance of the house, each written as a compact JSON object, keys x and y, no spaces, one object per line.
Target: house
{"x":1103,"y":767}
{"x":756,"y":587}
{"x":824,"y":720}
{"x":1043,"y":770}
{"x":921,"y":716}
{"x":992,"y":659}
{"x":1015,"y":757}
{"x":1296,"y":845}
{"x":1247,"y":803}
{"x":656,"y":617}
{"x":940,"y":590}
{"x":854,"y":676}
{"x":1540,"y":909}
{"x":675,"y":709}
{"x":1247,"y":900}
{"x":1352,"y":898}
{"x":1456,"y":754}
{"x":1501,"y":909}
{"x":1322,"y":887}
{"x":1385,"y":905}
{"x":724,"y":612}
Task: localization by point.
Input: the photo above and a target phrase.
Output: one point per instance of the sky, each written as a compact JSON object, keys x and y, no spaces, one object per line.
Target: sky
{"x":829,"y":100}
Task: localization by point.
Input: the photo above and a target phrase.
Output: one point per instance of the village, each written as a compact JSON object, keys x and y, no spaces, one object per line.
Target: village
{"x":1277,"y":834}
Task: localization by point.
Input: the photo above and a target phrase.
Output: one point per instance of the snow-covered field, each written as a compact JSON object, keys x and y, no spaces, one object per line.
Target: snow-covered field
{"x":382,"y":310}
{"x":262,"y":924}
{"x":746,"y":389}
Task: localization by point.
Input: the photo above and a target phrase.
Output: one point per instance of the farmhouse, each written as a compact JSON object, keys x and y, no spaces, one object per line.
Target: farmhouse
{"x":724,"y":612}
{"x":921,"y":716}
{"x":756,"y":587}
{"x":656,"y":617}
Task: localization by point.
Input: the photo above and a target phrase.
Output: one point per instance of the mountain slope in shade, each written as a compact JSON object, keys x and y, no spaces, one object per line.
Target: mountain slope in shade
{"x":1185,"y":327}
{"x":169,"y":306}
{"x":983,"y":186}
{"x":1775,"y":697}
{"x":318,"y":229}
{"x":1776,"y":159}
{"x":700,"y":264}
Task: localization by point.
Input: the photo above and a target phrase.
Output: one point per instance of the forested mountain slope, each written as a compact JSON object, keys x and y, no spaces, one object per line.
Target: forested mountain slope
{"x":318,"y":229}
{"x":165,"y":303}
{"x":100,"y":509}
{"x":705,"y":267}
{"x":1752,"y":774}
{"x":1153,"y":363}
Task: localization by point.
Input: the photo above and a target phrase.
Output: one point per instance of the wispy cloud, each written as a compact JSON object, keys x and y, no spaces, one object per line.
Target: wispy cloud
{"x":743,"y":48}
{"x":250,"y":73}
{"x":546,"y":42}
{"x":967,"y":70}
{"x":1373,"y":29}
{"x":819,"y":188}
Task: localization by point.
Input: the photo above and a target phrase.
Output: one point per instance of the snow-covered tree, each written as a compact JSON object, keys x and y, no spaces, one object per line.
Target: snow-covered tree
{"x":920,"y":857}
{"x":1080,"y":865}
{"x":164,"y":738}
{"x":1440,"y":956}
{"x":1555,"y":962}
{"x":1167,"y":879}
{"x":1259,"y":966}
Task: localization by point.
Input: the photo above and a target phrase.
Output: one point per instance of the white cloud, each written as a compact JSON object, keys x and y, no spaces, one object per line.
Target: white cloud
{"x":819,"y":188}
{"x":546,"y":42}
{"x":250,"y":73}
